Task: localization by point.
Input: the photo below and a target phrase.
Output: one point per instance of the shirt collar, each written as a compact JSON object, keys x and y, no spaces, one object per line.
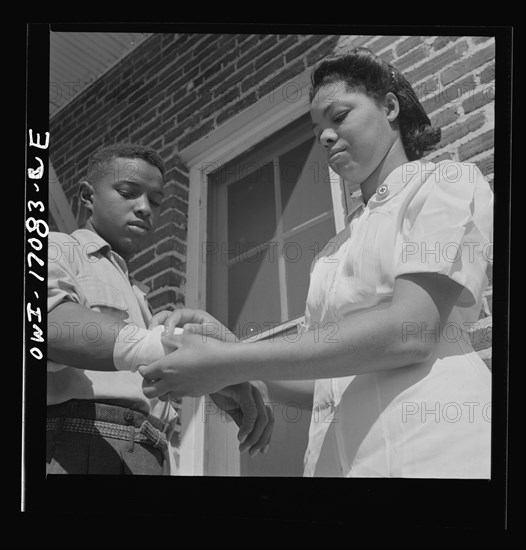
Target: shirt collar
{"x":89,"y":236}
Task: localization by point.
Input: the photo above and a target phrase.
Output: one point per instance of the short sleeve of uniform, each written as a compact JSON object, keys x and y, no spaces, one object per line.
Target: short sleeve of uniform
{"x":447,"y":228}
{"x":62,"y":284}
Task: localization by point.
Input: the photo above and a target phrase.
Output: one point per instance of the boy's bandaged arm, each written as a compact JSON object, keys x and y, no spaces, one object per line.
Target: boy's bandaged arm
{"x":86,"y":339}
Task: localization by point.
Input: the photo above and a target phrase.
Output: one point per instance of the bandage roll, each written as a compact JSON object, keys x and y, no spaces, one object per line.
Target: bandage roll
{"x":139,"y":346}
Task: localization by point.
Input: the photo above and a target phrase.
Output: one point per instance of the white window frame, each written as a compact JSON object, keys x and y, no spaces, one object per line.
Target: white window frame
{"x":199,"y":454}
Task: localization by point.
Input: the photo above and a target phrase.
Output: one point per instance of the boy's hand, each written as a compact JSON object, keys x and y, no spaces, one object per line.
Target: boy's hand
{"x":247,"y":403}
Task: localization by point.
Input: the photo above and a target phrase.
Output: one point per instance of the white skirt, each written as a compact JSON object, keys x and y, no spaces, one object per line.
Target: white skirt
{"x":431,"y":420}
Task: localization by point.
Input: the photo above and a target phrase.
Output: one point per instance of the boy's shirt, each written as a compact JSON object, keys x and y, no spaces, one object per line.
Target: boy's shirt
{"x":83,"y":268}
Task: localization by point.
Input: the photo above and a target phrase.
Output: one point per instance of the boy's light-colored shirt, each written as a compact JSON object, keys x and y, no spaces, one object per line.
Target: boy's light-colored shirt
{"x":83,"y":268}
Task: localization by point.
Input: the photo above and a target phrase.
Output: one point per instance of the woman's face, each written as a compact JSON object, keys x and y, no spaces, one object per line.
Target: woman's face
{"x":355,"y":130}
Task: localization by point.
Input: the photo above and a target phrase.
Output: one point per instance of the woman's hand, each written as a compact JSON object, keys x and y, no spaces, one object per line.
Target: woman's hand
{"x":196,"y":367}
{"x":201,"y":321}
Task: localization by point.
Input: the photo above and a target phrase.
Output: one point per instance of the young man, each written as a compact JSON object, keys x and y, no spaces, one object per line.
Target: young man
{"x":100,"y":330}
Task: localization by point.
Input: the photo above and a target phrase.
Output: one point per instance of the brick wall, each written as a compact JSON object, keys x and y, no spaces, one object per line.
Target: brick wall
{"x":174,"y":89}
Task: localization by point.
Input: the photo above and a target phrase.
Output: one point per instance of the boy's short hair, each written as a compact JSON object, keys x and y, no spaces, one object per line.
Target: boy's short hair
{"x":100,"y":160}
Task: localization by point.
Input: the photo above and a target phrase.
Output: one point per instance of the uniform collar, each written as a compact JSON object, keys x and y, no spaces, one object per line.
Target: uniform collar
{"x":355,"y":202}
{"x":395,"y":182}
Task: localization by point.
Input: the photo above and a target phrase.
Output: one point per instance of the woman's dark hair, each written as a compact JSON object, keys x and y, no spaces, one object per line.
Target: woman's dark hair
{"x":363,"y":71}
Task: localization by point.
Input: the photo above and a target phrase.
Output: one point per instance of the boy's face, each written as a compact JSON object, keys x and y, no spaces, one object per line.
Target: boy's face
{"x":126,"y":204}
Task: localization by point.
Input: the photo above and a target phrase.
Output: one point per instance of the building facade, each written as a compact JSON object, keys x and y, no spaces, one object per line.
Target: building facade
{"x":228,"y":113}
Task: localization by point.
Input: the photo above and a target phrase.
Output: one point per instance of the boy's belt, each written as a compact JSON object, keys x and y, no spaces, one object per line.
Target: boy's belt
{"x":90,"y":417}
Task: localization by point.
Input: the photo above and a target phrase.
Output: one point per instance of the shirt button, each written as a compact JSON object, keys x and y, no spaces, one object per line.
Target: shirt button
{"x":128,"y":415}
{"x":382,"y":190}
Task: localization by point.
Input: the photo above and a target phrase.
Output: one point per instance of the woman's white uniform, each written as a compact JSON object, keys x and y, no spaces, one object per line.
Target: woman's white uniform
{"x":430,"y":419}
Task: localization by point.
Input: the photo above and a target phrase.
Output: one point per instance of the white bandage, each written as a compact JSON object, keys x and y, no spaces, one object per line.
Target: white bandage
{"x":139,"y":346}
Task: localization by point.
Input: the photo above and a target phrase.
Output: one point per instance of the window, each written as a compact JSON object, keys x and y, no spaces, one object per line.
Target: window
{"x":270,"y":211}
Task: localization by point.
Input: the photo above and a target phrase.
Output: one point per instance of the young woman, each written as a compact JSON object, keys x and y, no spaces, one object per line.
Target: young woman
{"x":399,"y":390}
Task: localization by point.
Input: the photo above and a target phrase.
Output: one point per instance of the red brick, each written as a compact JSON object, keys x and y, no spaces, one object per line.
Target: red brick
{"x":479,"y":99}
{"x":169,"y":245}
{"x":445,"y":117}
{"x":382,"y":42}
{"x":174,"y":190}
{"x":192,"y":109}
{"x":436,"y":63}
{"x":260,"y":75}
{"x":204,"y":50}
{"x":180,"y":129}
{"x":489,"y":299}
{"x":255,"y":47}
{"x":481,"y":39}
{"x":481,"y":337}
{"x":457,"y":131}
{"x":164,"y":299}
{"x":486,"y":165}
{"x":243,"y":103}
{"x":441,"y":157}
{"x":451,"y":94}
{"x":280,"y":78}
{"x":442,"y":41}
{"x":232,"y":82}
{"x":412,"y":58}
{"x":173,"y":202}
{"x":489,"y":274}
{"x":181,"y":83}
{"x":195,"y":135}
{"x":220,"y":103}
{"x":303,"y":46}
{"x":426,"y":89}
{"x":177,"y":176}
{"x":462,"y":67}
{"x":322,"y":50}
{"x":408,"y":44}
{"x":388,"y":56}
{"x":167,"y":262}
{"x":211,"y":71}
{"x":187,"y":99}
{"x":141,"y":259}
{"x":487,"y":74}
{"x":168,"y":278}
{"x":475,"y":146}
{"x":272,"y":53}
{"x":144,"y":129}
{"x":171,"y":223}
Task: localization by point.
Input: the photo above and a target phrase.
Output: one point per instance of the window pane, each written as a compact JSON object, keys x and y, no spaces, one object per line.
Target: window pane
{"x":251,"y":210}
{"x":253,"y":293}
{"x":299,"y":251}
{"x":305,"y":184}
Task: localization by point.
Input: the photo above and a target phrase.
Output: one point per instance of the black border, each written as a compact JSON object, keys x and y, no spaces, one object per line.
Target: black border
{"x":312,"y":509}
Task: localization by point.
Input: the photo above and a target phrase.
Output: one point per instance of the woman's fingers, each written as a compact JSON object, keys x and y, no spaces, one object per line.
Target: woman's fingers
{"x":153,"y":388}
{"x":159,"y":319}
{"x":173,"y":341}
{"x":182,"y":316}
